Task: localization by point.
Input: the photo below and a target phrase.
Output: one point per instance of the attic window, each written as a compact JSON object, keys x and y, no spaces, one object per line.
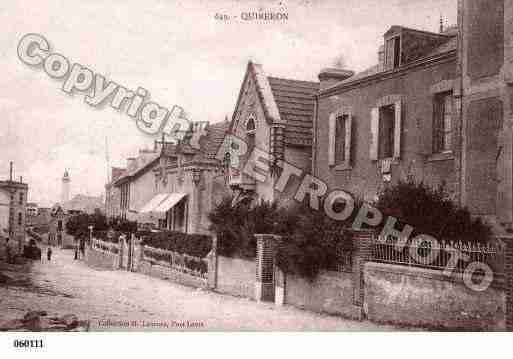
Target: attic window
{"x":250,"y":125}
{"x":393,"y":52}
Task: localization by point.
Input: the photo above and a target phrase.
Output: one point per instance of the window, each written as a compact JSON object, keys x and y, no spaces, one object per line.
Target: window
{"x":20,"y":219}
{"x":442,"y":122}
{"x":386,"y":131}
{"x":59,"y":225}
{"x":393,"y":52}
{"x":250,"y":125}
{"x":21,"y":198}
{"x":340,"y":139}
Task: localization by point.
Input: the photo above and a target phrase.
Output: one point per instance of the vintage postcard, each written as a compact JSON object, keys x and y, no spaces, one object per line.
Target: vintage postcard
{"x":302,"y":165}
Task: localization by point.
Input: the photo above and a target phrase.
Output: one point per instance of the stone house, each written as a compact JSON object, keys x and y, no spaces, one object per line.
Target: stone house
{"x":57,"y":235}
{"x":13,"y":201}
{"x":433,"y":109}
{"x":113,"y":194}
{"x":177,"y":186}
{"x":274,"y":115}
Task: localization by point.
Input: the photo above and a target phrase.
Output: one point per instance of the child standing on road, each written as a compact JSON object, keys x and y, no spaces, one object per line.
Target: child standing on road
{"x":49,"y":254}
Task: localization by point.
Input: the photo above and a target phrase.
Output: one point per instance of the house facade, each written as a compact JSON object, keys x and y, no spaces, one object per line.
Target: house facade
{"x":113,"y":194}
{"x":13,"y":201}
{"x":273,"y":115}
{"x":433,"y":109}
{"x":178,"y":186}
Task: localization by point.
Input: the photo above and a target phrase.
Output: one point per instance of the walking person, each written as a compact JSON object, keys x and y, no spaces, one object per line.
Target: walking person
{"x":49,"y":254}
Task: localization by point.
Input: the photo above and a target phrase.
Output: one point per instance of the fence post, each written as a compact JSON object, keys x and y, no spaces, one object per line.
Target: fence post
{"x":362,"y":253}
{"x":264,"y":285}
{"x":212,"y":264}
{"x":508,"y":280}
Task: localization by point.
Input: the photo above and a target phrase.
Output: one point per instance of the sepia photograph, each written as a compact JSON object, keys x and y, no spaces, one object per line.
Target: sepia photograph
{"x":308,"y":166}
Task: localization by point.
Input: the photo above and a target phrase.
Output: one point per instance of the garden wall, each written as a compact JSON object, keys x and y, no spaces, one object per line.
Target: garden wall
{"x":329,"y":292}
{"x":236,"y":276}
{"x":101,"y":259}
{"x":168,"y":273}
{"x":423,"y":297}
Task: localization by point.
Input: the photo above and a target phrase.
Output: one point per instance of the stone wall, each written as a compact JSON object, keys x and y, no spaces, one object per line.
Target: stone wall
{"x":236,"y":277}
{"x":329,"y":292}
{"x":422,"y":297}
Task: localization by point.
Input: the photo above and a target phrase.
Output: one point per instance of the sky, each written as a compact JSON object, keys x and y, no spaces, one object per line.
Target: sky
{"x":181,"y":53}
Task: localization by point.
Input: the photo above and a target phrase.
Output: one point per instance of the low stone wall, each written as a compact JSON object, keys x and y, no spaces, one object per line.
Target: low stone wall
{"x":422,"y":297}
{"x":168,"y":273}
{"x":329,"y":292}
{"x":236,"y":276}
{"x":101,"y":259}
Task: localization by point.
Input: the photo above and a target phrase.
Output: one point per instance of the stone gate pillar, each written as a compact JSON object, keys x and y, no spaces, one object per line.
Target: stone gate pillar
{"x":264,"y":285}
{"x":362,"y":253}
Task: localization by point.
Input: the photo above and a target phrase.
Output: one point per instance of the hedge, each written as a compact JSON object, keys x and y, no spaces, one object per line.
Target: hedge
{"x":196,"y":245}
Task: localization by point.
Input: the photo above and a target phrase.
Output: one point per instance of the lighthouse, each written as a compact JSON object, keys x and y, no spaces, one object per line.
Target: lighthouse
{"x":65,"y":187}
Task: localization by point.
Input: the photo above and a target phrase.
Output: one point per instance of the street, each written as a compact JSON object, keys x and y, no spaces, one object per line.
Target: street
{"x":119,"y":301}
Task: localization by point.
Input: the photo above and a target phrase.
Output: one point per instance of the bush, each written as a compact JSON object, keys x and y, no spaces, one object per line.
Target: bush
{"x":312,"y":242}
{"x":430,"y":211}
{"x":123,"y":225}
{"x":195,"y":245}
{"x":236,"y":224}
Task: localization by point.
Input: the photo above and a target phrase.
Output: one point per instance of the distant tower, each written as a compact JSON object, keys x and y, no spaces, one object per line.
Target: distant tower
{"x":65,"y":187}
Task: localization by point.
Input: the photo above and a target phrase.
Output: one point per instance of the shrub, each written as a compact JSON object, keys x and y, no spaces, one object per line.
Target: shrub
{"x":430,"y":211}
{"x":123,"y":225}
{"x":196,"y":245}
{"x":312,"y":242}
{"x":236,"y":224}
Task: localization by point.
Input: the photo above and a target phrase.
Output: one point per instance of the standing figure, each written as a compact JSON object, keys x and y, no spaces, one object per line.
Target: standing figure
{"x":49,"y":254}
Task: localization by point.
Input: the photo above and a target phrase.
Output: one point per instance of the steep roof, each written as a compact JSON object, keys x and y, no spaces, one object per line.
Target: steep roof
{"x":285,"y":102}
{"x":295,"y":101}
{"x":214,"y":139}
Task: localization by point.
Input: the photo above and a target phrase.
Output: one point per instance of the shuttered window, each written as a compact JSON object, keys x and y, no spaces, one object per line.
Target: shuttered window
{"x":386,"y":131}
{"x":442,"y":122}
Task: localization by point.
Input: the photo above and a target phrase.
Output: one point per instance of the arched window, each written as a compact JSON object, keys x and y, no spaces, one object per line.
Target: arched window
{"x":20,"y":218}
{"x":250,"y":125}
{"x":227,"y":160}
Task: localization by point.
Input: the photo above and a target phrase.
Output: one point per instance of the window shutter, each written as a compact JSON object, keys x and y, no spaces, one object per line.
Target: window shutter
{"x":331,"y":140}
{"x":347,"y":143}
{"x":397,"y":129}
{"x":374,"y":134}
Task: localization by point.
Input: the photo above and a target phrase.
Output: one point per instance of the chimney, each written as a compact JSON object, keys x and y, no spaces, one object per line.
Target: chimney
{"x":330,"y":76}
{"x":10,"y":171}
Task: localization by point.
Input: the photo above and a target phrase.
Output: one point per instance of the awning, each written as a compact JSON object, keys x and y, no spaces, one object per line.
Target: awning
{"x":153,"y":203}
{"x":171,"y":201}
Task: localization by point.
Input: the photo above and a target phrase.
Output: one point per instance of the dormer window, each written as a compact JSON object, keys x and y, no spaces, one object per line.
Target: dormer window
{"x":250,"y":125}
{"x":393,"y":52}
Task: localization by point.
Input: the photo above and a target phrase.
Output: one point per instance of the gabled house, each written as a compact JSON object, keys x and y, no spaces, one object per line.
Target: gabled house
{"x":274,"y":115}
{"x":178,"y":185}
